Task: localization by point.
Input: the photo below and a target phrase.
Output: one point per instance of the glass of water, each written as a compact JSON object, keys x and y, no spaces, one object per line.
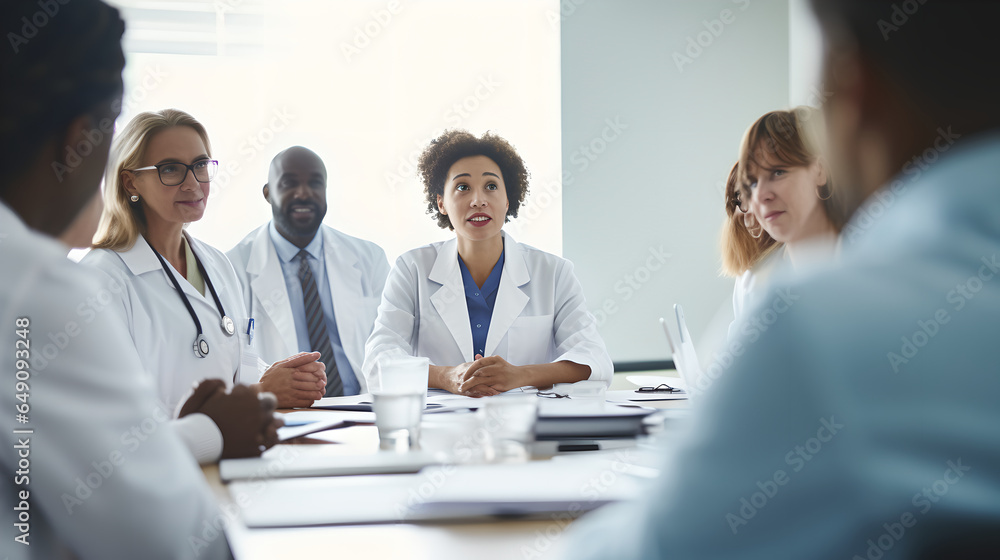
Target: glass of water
{"x":508,"y":422}
{"x":398,"y":402}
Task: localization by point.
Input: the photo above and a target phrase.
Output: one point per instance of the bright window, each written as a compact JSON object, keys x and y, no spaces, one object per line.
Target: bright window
{"x":365,"y":84}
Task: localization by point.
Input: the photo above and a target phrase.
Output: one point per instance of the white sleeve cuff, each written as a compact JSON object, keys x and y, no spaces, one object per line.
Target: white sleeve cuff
{"x":601,"y":368}
{"x":201,"y":436}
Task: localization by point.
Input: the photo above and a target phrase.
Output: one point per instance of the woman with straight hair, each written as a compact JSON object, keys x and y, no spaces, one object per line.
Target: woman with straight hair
{"x":781,"y":203}
{"x":180,"y":298}
{"x":748,"y":252}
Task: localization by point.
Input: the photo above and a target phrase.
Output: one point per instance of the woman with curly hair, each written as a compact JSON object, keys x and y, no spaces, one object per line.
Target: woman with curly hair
{"x":490,"y":313}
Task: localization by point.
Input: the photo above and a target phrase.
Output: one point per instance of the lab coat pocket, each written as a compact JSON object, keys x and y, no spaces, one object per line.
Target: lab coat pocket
{"x":249,"y":367}
{"x":529,"y":340}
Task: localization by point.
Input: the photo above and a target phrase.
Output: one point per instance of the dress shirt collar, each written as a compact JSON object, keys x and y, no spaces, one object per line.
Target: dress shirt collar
{"x":287,"y":250}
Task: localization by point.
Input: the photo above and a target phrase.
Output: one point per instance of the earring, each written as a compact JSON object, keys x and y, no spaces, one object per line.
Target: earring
{"x":829,"y":192}
{"x":753,"y":226}
{"x":134,"y":198}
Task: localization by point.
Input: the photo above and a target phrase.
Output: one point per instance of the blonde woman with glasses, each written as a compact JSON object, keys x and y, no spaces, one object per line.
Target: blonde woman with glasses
{"x":179,"y":297}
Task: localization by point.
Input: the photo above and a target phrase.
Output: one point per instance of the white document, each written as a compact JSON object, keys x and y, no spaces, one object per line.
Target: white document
{"x":328,"y":402}
{"x":319,"y":460}
{"x":629,"y":395}
{"x":449,"y":402}
{"x":305,"y":422}
{"x":589,"y":408}
{"x":566,"y":487}
{"x":436,"y":402}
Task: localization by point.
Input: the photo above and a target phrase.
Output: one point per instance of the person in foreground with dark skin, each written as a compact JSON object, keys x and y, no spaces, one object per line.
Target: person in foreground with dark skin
{"x":863,"y":423}
{"x":94,"y":467}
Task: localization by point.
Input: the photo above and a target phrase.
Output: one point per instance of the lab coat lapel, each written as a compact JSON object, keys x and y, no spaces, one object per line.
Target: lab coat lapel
{"x":449,"y":299}
{"x":344,"y":277}
{"x":267,"y":282}
{"x":511,"y":300}
{"x":141,"y":259}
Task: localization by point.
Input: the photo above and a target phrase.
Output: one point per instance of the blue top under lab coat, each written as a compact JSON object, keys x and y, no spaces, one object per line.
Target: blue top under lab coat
{"x":480,"y":302}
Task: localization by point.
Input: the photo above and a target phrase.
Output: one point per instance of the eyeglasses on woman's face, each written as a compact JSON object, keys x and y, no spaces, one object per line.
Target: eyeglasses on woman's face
{"x":173,"y":173}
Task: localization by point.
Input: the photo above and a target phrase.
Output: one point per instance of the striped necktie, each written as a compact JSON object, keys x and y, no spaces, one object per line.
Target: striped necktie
{"x":319,"y":339}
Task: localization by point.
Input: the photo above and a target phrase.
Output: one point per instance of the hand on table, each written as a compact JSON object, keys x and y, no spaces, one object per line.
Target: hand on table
{"x":244,"y":416}
{"x":451,"y":379}
{"x":296,"y":381}
{"x":493,"y":373}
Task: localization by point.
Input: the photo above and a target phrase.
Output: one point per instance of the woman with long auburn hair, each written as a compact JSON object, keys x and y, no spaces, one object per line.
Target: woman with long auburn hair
{"x":781,"y":203}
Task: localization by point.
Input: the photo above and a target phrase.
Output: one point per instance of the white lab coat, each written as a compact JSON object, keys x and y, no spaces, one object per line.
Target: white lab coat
{"x":540,"y":315}
{"x":161,"y":326}
{"x":87,"y":394}
{"x":356,"y":271}
{"x":753,"y":284}
{"x":143,"y":298}
{"x":750,"y":285}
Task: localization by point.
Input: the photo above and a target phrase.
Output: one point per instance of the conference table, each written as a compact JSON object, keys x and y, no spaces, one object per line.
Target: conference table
{"x":438,"y":540}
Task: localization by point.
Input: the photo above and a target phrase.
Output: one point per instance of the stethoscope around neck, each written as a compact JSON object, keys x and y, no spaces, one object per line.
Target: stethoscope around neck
{"x":201,"y":347}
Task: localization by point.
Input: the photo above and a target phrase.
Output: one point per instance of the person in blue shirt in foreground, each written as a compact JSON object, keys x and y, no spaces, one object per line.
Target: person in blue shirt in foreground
{"x":863,"y":422}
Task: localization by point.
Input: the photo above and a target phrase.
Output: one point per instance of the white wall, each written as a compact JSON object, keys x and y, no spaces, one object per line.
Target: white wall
{"x":364,"y":83}
{"x":662,"y":116}
{"x":805,"y":55}
{"x":658,"y":185}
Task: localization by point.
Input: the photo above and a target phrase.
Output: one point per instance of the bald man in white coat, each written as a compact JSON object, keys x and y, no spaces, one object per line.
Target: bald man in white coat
{"x":350,"y":274}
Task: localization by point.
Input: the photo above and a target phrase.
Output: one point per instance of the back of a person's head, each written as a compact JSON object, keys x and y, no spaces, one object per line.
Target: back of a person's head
{"x":61,"y":60}
{"x":941,"y":55}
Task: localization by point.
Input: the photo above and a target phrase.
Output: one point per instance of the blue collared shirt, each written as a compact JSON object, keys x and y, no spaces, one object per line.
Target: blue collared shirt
{"x":481,"y":302}
{"x":290,"y":270}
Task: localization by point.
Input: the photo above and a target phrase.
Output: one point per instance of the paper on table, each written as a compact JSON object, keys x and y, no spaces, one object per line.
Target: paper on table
{"x":300,"y":417}
{"x":589,"y":408}
{"x":629,"y":395}
{"x":449,"y":402}
{"x":451,"y":492}
{"x":348,"y":401}
{"x":317,"y":460}
{"x":305,"y":422}
{"x":358,"y":403}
